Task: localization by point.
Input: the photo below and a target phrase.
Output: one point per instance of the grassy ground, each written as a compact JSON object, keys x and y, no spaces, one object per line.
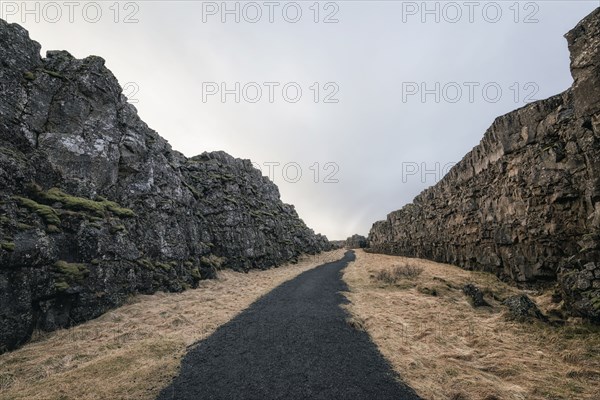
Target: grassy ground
{"x":445,"y":349}
{"x":134,"y":351}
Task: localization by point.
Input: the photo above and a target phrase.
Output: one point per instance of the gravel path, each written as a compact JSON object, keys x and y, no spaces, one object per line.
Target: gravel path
{"x":293,"y":343}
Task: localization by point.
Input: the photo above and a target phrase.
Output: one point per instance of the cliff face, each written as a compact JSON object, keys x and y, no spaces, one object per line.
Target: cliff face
{"x":525,"y":203}
{"x":95,"y":206}
{"x":356,"y":241}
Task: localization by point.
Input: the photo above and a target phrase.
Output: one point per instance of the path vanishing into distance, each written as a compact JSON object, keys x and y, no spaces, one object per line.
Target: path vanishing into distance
{"x":293,"y":343}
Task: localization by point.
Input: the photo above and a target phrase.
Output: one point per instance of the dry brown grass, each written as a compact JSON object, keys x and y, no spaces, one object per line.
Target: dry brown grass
{"x":445,"y":349}
{"x":134,"y":351}
{"x":397,"y":273}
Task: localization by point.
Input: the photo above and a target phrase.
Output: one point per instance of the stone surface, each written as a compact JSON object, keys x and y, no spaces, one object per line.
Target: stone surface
{"x":475,"y":295}
{"x":356,"y":242}
{"x":96,"y":206}
{"x":527,"y":198}
{"x":521,"y":308}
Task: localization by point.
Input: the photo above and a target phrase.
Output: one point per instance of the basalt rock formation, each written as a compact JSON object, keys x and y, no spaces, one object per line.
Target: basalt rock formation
{"x":356,"y":242}
{"x":525,"y":203}
{"x":95,"y":206}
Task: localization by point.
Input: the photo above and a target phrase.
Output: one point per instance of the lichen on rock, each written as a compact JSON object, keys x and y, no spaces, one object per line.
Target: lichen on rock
{"x":94,"y":201}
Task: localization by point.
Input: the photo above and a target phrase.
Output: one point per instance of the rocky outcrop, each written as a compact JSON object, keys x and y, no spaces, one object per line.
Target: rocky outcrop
{"x":521,"y":308}
{"x":475,"y":295}
{"x":356,"y":242}
{"x":95,"y":206}
{"x":525,"y":203}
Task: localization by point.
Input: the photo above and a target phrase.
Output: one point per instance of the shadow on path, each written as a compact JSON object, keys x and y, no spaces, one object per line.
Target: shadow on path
{"x":293,"y":343}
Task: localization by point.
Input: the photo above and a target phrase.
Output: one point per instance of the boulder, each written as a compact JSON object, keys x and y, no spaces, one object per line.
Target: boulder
{"x":475,"y":295}
{"x":521,"y":308}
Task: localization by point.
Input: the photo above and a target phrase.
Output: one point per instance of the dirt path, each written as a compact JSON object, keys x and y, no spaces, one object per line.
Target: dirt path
{"x":294,"y":343}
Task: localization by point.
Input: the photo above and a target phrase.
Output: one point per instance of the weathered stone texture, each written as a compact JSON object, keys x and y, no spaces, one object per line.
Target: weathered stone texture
{"x":96,"y":206}
{"x":356,"y":241}
{"x":525,"y":203}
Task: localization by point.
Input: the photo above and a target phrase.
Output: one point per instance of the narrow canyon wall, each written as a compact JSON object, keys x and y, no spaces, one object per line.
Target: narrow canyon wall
{"x":95,"y":206}
{"x":525,"y":203}
{"x":356,"y":241}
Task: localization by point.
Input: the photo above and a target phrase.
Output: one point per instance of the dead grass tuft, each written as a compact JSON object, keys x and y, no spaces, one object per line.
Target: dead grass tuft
{"x":446,"y":349}
{"x":356,"y":323}
{"x":134,"y":351}
{"x":397,"y":273}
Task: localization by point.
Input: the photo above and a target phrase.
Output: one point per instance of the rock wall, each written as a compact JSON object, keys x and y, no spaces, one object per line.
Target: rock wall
{"x":95,"y":206}
{"x":525,"y":203}
{"x":356,"y":241}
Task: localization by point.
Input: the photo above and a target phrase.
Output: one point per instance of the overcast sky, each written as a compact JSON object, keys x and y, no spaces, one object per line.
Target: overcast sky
{"x":364,"y":135}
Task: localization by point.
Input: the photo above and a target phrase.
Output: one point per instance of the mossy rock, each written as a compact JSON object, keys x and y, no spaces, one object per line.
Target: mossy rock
{"x":13,"y":153}
{"x":117,"y":229}
{"x":213,"y":261}
{"x":144,"y":262}
{"x":8,"y":246}
{"x":61,"y":286}
{"x":23,"y":227}
{"x":195,"y":273}
{"x":164,"y":266}
{"x":74,"y":272}
{"x":118,"y":210}
{"x":73,"y":214}
{"x":82,"y":204}
{"x":53,"y":229}
{"x":47,"y":213}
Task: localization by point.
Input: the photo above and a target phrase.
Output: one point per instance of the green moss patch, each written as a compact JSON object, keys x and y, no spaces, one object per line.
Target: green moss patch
{"x":213,"y":261}
{"x":61,"y":286}
{"x":118,"y":210}
{"x":163,"y":266}
{"x":23,"y":227}
{"x":30,"y":76}
{"x":72,"y":271}
{"x":144,"y":262}
{"x":83,"y":204}
{"x":195,"y":272}
{"x":8,"y":246}
{"x":47,"y":213}
{"x":53,"y":229}
{"x":117,"y":229}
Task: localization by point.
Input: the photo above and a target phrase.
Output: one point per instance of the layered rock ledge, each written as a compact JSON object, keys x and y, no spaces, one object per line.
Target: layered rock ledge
{"x":525,"y":203}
